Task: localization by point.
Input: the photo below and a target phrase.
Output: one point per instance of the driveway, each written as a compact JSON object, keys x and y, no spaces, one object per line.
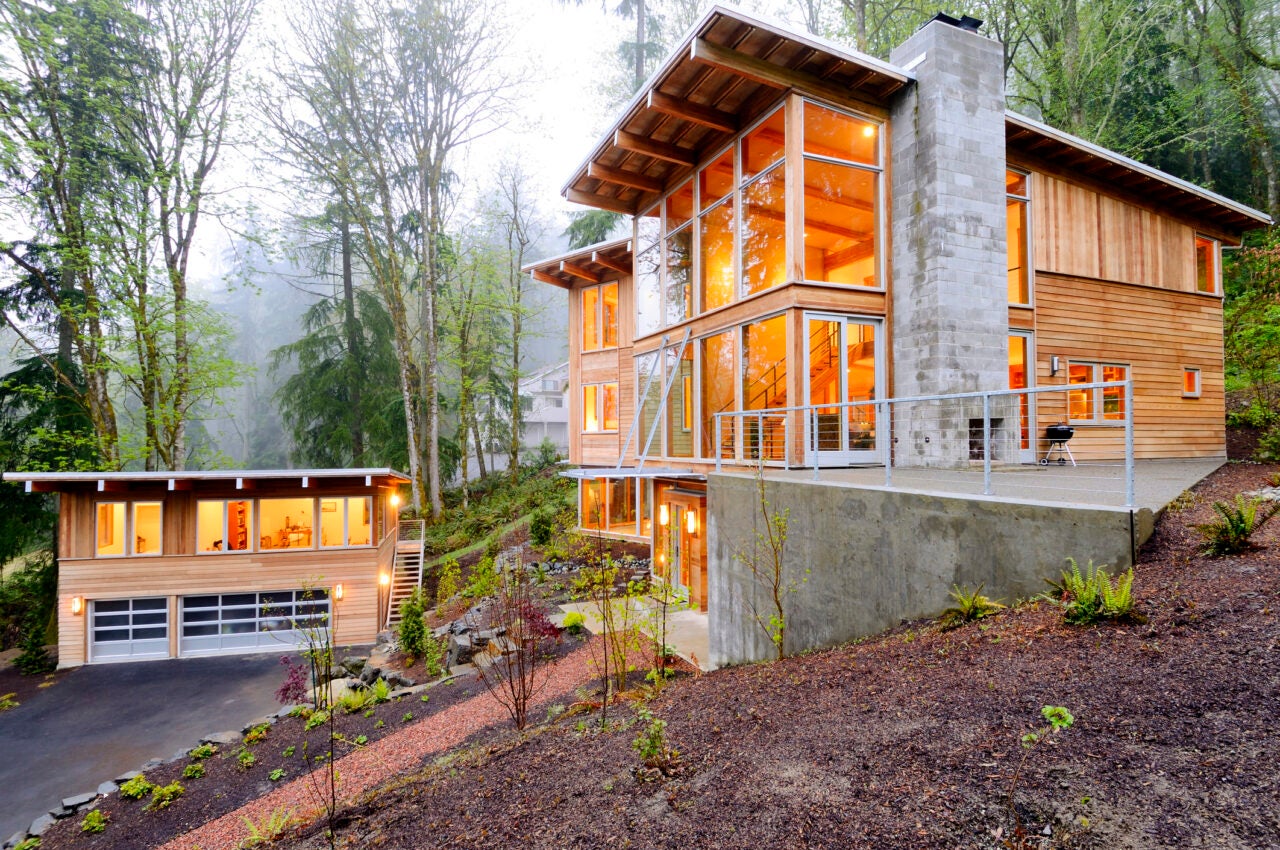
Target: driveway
{"x":102,"y":720}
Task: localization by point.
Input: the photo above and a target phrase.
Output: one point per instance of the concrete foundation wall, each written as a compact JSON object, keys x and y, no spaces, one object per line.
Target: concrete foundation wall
{"x":862,"y":560}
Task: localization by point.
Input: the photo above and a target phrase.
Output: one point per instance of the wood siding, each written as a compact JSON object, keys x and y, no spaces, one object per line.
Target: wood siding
{"x":1157,"y":333}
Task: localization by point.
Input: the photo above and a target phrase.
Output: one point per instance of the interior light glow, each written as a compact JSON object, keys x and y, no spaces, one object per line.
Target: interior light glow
{"x":77,"y":604}
{"x":664,"y":515}
{"x":384,"y":579}
{"x":395,"y":500}
{"x":338,"y":591}
{"x":869,"y":131}
{"x":691,"y":522}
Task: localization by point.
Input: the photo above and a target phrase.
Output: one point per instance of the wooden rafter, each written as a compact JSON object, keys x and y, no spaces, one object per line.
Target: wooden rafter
{"x":658,"y":150}
{"x":762,"y":71}
{"x":707,"y":116}
{"x":610,"y":263}
{"x":590,"y":199}
{"x":630,"y":179}
{"x":543,"y":277}
{"x":579,"y":271}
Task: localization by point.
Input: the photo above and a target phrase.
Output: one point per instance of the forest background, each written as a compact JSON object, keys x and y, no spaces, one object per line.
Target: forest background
{"x":273,"y":233}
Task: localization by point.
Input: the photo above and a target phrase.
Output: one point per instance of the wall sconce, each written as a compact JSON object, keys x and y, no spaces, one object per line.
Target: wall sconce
{"x":77,"y":605}
{"x":1055,"y":366}
{"x":338,"y":592}
{"x":395,"y":500}
{"x":691,"y":521}
{"x":664,"y":515}
{"x":384,"y":579}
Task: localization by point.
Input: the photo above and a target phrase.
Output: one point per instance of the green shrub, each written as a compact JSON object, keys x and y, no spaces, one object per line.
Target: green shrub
{"x":447,"y":584}
{"x":433,"y":656}
{"x":95,"y":821}
{"x":651,"y":745}
{"x":317,"y":718}
{"x":203,"y":751}
{"x":246,"y":759}
{"x":136,"y":788}
{"x":1236,"y":523}
{"x":257,"y":733}
{"x":970,"y":606}
{"x":276,"y":775}
{"x":164,"y":796}
{"x":413,"y":628}
{"x":483,"y":580}
{"x":541,"y":524}
{"x":195,"y":770}
{"x":574,"y":622}
{"x":1091,"y":596}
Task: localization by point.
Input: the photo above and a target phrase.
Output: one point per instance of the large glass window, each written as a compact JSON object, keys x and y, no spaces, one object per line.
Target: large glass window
{"x":1017,"y":235}
{"x":715,"y":256}
{"x":600,"y":407}
{"x":648,"y":372}
{"x":679,"y":410}
{"x":110,"y":529}
{"x":148,"y":531}
{"x":764,"y":385}
{"x":841,"y":197}
{"x":622,"y":504}
{"x":346,"y":521}
{"x":223,"y":526}
{"x":600,"y":317}
{"x":764,"y":232}
{"x":1206,"y":264}
{"x":716,"y":180}
{"x":1099,"y":405}
{"x":717,"y":393}
{"x":591,"y":506}
{"x":285,"y":523}
{"x":648,"y":273}
{"x":765,"y":145}
{"x":680,"y":275}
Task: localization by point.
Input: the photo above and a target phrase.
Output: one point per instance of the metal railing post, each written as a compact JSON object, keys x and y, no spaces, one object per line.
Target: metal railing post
{"x":1129,"y":499}
{"x":813,"y":438}
{"x":986,"y":445}
{"x":716,"y":417}
{"x":886,"y":417}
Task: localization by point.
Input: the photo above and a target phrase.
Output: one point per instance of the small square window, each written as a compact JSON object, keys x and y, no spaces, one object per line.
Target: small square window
{"x":1190,"y":382}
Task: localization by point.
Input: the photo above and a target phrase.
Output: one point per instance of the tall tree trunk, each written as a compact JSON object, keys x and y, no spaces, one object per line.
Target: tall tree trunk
{"x":640,"y":51}
{"x":354,"y":359}
{"x":475,"y":433}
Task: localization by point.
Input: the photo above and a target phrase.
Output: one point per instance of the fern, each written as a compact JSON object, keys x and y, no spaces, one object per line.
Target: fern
{"x":970,"y":606}
{"x":1092,"y":595}
{"x":1236,"y":523}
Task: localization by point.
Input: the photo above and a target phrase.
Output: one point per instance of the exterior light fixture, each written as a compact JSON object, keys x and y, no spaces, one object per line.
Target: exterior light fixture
{"x":869,"y":131}
{"x":384,"y":579}
{"x":77,"y":605}
{"x":1055,"y":366}
{"x":691,"y":522}
{"x":395,"y":500}
{"x":338,"y":591}
{"x":664,"y":515}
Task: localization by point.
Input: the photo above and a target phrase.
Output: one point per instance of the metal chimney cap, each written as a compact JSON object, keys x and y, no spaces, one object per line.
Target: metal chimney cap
{"x":965,"y":22}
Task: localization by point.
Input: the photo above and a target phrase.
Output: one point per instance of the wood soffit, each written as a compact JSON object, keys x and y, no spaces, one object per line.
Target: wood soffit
{"x":594,"y":264}
{"x":728,"y":71}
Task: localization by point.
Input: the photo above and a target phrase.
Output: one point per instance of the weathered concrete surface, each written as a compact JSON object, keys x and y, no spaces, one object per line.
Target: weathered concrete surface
{"x":863,"y":559}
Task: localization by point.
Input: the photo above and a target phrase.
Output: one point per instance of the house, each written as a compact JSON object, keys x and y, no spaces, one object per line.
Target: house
{"x":840,"y":262}
{"x":544,"y":403}
{"x":179,"y":564}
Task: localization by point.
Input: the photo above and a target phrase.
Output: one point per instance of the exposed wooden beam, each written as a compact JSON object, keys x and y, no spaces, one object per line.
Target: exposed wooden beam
{"x":579,"y":271}
{"x":707,"y":116}
{"x":589,"y":199}
{"x":610,"y":263}
{"x":543,"y":277}
{"x":658,"y":150}
{"x":762,"y":71}
{"x":246,"y":484}
{"x":112,"y":486}
{"x":624,"y":178}
{"x":178,"y":484}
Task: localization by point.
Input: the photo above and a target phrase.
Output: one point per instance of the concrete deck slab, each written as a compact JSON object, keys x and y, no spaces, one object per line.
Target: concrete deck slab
{"x":687,"y":631}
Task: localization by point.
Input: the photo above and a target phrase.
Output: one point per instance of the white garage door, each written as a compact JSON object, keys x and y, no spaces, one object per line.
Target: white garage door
{"x":247,"y":622}
{"x":129,"y":629}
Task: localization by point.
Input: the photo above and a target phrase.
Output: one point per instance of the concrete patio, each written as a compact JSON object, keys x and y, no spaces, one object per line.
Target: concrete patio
{"x":687,"y":631}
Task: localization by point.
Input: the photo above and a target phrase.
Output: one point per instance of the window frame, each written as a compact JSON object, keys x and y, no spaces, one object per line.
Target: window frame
{"x":1213,"y":267}
{"x":1199,"y":379}
{"x":601,"y":341}
{"x":1098,"y":395}
{"x":1027,"y":244}
{"x":97,"y":528}
{"x":601,"y":390}
{"x":128,"y":528}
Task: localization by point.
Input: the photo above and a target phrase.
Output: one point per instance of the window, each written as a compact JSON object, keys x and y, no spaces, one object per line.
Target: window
{"x":1099,"y":405}
{"x":1206,"y":265}
{"x":345,"y":521}
{"x":591,"y":505}
{"x":718,"y":393}
{"x":286,"y":524}
{"x":679,"y":408}
{"x":600,"y":317}
{"x":110,"y":531}
{"x":610,"y":504}
{"x":1190,"y":382}
{"x":600,"y":407}
{"x":841,"y":197}
{"x":148,"y":528}
{"x":648,"y":272}
{"x":114,"y":521}
{"x":223,"y":526}
{"x":1017,"y":235}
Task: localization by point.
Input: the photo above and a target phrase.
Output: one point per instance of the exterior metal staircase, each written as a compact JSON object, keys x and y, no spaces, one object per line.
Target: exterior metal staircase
{"x":407,"y":568}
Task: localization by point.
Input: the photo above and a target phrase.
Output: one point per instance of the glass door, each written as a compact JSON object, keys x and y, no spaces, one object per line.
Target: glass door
{"x":1022,"y":376}
{"x":843,"y":365}
{"x":676,"y":569}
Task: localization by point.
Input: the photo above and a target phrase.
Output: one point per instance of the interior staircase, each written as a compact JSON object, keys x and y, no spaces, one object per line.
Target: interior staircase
{"x":407,"y":569}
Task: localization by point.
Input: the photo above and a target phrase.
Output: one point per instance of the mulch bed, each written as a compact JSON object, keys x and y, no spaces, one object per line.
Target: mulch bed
{"x":911,"y":739}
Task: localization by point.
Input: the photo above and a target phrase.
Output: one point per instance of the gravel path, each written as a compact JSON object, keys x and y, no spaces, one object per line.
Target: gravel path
{"x":377,"y":762}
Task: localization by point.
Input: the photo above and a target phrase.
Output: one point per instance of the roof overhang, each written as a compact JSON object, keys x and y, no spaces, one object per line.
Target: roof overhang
{"x":242,"y":479}
{"x":1028,"y":136}
{"x":619,"y":472}
{"x":584,"y":267}
{"x":728,"y":69}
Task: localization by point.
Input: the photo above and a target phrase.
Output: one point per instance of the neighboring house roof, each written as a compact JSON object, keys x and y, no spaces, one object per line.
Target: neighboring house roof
{"x":592,"y":264}
{"x":52,"y":482}
{"x":732,"y":66}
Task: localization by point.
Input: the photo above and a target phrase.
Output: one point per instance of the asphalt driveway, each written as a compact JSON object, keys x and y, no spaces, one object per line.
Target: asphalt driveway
{"x":102,"y":720}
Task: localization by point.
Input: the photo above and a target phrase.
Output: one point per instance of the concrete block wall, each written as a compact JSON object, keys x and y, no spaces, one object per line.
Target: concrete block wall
{"x":864,"y":559}
{"x":949,"y":288}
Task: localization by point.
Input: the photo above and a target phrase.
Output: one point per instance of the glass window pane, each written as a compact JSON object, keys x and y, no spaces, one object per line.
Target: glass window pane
{"x":590,"y":410}
{"x":1191,"y":382}
{"x":1080,"y":402}
{"x":679,"y":410}
{"x":609,"y":407}
{"x":609,"y":315}
{"x":716,"y":180}
{"x":680,"y":276}
{"x":839,"y":224}
{"x":680,"y":206}
{"x":1018,"y":380}
{"x":591,"y":318}
{"x":1015,"y":183}
{"x":1016,"y":233}
{"x":110,"y":528}
{"x":764,"y":232}
{"x":592,"y":505}
{"x":834,"y":134}
{"x":648,"y":283}
{"x":764,"y":364}
{"x":285,"y":523}
{"x":764,"y":145}
{"x":1206,"y":265}
{"x":209,"y":525}
{"x":239,"y":525}
{"x":359,"y":522}
{"x":1113,"y":397}
{"x":648,"y":227}
{"x":716,"y":256}
{"x":648,"y":403}
{"x":717,"y":393}
{"x":622,"y":505}
{"x":147,"y":527}
{"x":331,"y":521}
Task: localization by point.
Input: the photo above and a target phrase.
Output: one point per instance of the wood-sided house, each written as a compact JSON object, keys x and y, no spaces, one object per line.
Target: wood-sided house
{"x":177,"y":564}
{"x":815,"y":226}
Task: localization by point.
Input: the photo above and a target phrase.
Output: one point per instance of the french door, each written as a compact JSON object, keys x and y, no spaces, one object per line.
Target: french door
{"x":844,"y":365}
{"x":1022,"y":375}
